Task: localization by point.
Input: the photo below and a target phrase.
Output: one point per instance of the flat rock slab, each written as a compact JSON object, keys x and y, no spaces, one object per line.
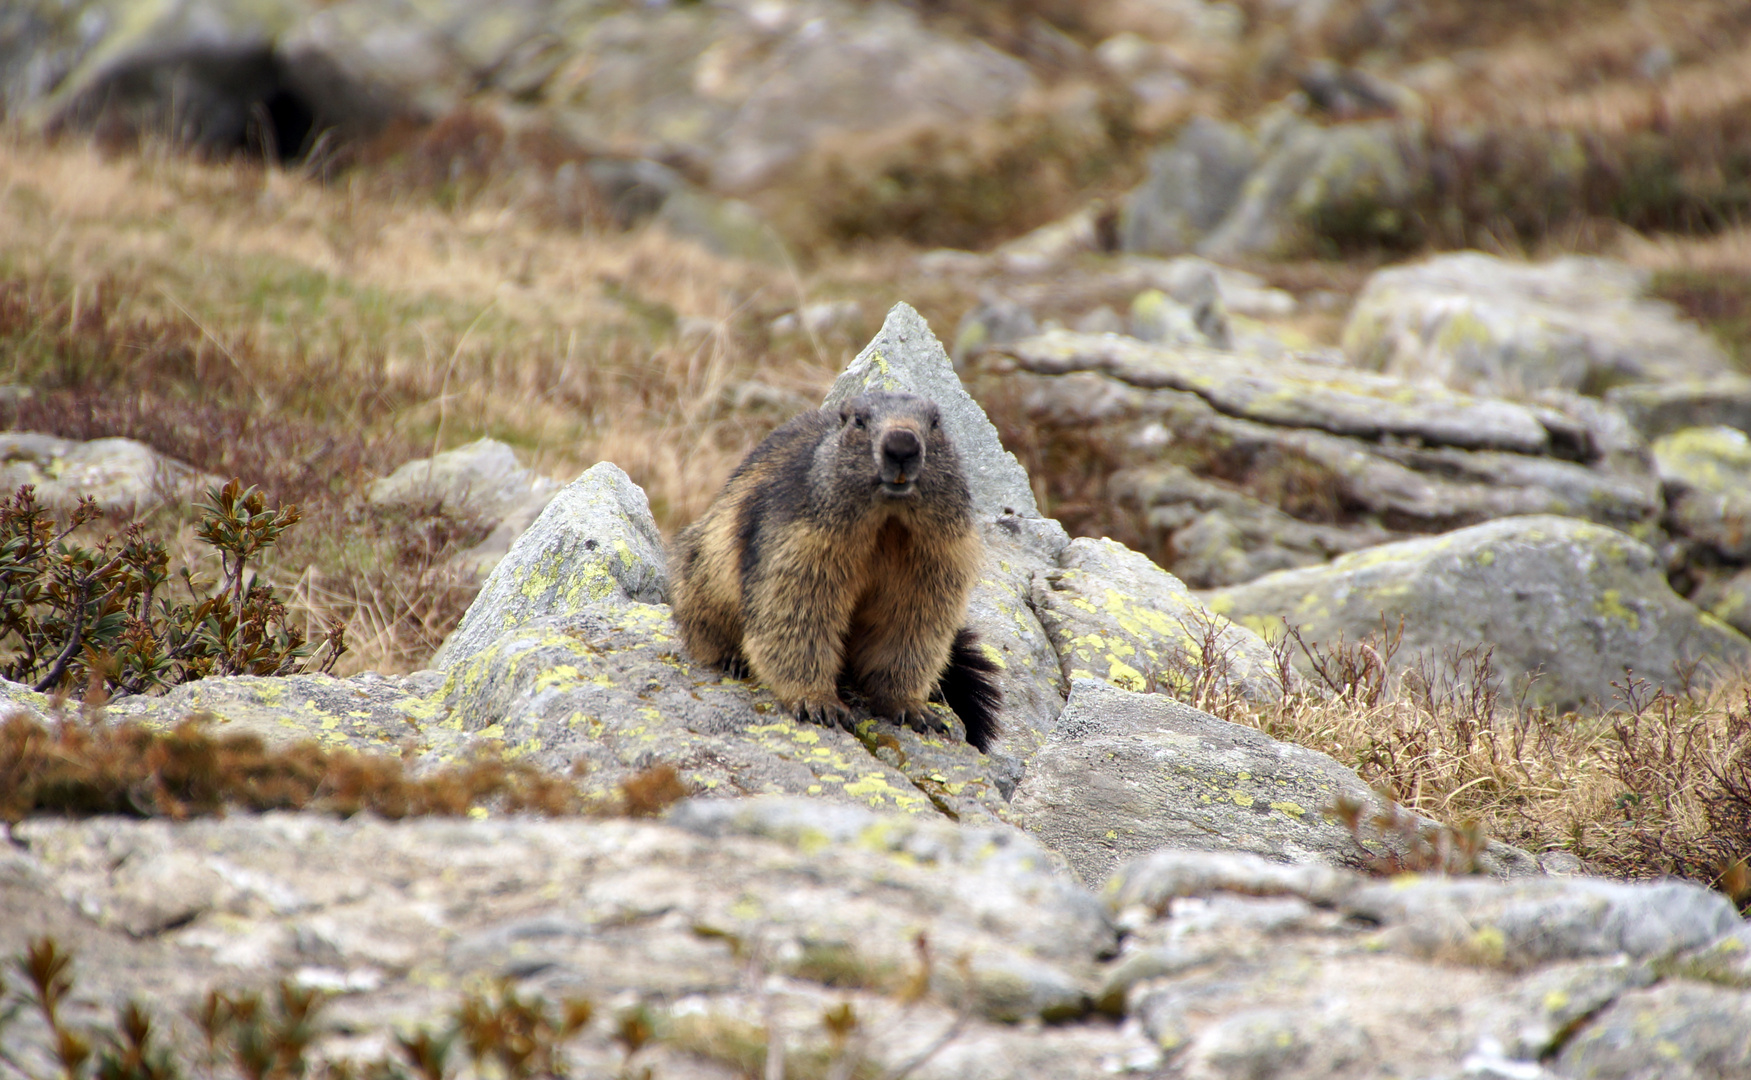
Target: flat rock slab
{"x":370,"y":712}
{"x":736,"y":924}
{"x":1525,"y":924}
{"x":397,"y":918}
{"x":1573,"y":601}
{"x":1678,"y":1030}
{"x":606,"y":692}
{"x":1223,"y":499}
{"x":1238,"y":967}
{"x":1292,"y":394}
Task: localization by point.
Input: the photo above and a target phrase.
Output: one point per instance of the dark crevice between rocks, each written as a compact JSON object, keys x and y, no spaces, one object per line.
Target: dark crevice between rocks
{"x":170,"y":925}
{"x":285,"y":127}
{"x":239,"y":101}
{"x":1562,"y":1036}
{"x":870,"y":733}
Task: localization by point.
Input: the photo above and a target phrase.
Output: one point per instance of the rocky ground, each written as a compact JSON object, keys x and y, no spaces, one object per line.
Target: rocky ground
{"x":1355,"y":402}
{"x":1230,"y":933}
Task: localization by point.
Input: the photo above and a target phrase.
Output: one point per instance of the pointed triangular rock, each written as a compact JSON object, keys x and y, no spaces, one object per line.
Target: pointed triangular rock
{"x":905,"y":355}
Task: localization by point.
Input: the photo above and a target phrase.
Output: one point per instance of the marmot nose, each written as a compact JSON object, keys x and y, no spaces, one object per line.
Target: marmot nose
{"x":902,"y":453}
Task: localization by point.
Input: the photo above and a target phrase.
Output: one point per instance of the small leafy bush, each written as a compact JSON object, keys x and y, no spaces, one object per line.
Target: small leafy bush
{"x":97,"y":616}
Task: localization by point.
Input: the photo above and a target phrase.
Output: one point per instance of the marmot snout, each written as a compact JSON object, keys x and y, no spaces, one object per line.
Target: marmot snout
{"x":840,"y":554}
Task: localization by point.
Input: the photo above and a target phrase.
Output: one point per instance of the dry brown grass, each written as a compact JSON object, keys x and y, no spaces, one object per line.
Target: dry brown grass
{"x":79,"y":764}
{"x":1542,"y":121}
{"x":1660,"y":784}
{"x":310,"y":337}
{"x":402,"y":316}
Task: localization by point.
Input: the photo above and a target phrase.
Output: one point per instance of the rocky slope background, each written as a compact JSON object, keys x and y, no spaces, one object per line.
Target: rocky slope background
{"x":1355,"y":401}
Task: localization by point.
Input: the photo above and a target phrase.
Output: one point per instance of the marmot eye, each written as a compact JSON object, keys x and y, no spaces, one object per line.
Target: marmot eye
{"x":859,"y":421}
{"x":935,"y":422}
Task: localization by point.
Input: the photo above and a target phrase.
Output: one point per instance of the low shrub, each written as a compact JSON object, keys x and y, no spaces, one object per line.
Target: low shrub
{"x":99,"y":616}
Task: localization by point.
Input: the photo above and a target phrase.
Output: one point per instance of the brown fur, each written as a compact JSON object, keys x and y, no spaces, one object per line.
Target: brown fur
{"x":840,"y":553}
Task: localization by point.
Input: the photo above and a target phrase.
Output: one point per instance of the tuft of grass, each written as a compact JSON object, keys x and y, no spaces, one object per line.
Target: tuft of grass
{"x":79,"y":767}
{"x":652,"y":791}
{"x":82,"y":764}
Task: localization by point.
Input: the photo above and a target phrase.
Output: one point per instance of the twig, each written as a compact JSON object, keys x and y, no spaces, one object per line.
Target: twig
{"x":77,"y":637}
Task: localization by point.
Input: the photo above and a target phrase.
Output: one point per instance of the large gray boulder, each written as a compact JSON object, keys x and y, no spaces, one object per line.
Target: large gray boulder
{"x":483,"y":480}
{"x":1127,"y":773}
{"x":1487,"y":325}
{"x":358,"y":64}
{"x":1227,"y":193}
{"x":1573,"y":602}
{"x":568,"y":657}
{"x":606,"y":691}
{"x":191,"y":68}
{"x":856,"y":71}
{"x":1114,"y":615}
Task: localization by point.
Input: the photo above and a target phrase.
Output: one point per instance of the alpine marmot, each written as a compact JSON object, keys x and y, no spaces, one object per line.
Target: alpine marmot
{"x":839,"y":556}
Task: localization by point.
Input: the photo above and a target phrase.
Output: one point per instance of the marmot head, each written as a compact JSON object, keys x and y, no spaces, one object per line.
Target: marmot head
{"x":893,"y":447}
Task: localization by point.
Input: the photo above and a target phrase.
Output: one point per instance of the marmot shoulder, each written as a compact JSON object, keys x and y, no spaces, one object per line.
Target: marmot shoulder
{"x":840,"y":555}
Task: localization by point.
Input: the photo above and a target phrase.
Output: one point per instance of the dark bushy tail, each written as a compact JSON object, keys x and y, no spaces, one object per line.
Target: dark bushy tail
{"x":969,"y":687}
